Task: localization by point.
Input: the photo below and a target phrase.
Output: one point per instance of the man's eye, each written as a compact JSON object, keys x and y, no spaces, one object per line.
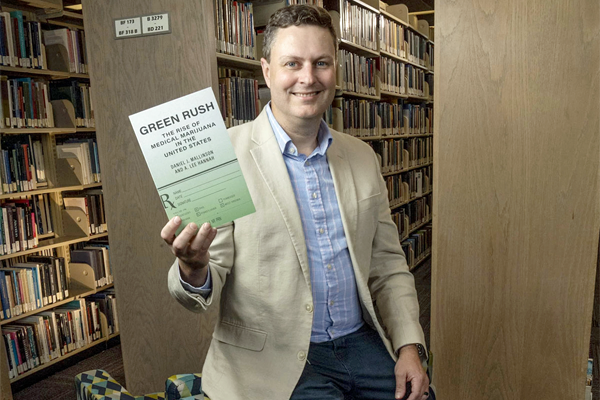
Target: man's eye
{"x":322,"y":63}
{"x":291,"y":64}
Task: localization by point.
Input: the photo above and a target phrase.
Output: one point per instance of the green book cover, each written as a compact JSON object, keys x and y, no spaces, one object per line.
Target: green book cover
{"x":192,"y":161}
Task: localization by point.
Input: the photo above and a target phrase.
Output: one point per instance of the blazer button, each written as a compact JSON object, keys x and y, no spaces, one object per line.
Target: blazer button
{"x":301,"y":356}
{"x":309,"y":308}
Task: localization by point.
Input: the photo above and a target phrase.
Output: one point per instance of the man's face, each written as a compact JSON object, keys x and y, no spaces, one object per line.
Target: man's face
{"x":301,"y":74}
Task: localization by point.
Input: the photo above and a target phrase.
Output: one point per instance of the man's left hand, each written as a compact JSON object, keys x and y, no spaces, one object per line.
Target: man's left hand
{"x":409,"y":369}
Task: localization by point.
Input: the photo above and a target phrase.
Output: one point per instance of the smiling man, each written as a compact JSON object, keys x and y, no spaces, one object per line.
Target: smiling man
{"x":314,"y":294}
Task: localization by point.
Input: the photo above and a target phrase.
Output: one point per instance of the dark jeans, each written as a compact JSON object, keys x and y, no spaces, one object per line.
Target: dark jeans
{"x":356,"y":366}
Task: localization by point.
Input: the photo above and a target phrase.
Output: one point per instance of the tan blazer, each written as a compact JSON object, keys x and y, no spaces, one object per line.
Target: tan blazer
{"x":261,"y":278}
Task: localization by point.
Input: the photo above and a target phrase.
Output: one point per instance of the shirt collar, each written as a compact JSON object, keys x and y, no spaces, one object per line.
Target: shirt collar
{"x":286,"y":145}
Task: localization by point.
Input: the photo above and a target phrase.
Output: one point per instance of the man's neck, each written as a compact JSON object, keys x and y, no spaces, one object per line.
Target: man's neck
{"x":304,"y":134}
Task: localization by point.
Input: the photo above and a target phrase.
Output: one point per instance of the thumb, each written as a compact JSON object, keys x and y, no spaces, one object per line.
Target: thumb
{"x":400,"y":386}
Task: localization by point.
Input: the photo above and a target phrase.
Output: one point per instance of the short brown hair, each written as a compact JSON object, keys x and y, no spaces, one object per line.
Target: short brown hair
{"x":297,"y":15}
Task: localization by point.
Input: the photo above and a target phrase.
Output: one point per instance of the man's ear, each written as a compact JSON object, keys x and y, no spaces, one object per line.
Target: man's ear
{"x":266,"y":69}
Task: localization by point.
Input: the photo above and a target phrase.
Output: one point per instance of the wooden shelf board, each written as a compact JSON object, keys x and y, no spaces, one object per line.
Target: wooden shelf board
{"x":239,"y":62}
{"x":393,"y":207}
{"x":419,"y":98}
{"x":28,"y":193}
{"x":49,"y":190}
{"x":73,"y":25}
{"x":53,"y":243}
{"x":406,"y":136}
{"x":20,"y":131}
{"x":360,"y":95}
{"x":358,"y":49}
{"x":365,"y":5}
{"x":79,"y":187}
{"x":402,"y":59}
{"x":74,"y":15}
{"x":383,"y":137}
{"x":392,"y":94}
{"x":406,"y":170}
{"x":57,"y":360}
{"x":39,"y":4}
{"x":43,"y":72}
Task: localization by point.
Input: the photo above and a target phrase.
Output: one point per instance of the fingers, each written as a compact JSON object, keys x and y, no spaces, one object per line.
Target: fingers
{"x":203,"y":239}
{"x":400,"y":385}
{"x":168,"y":231}
{"x":419,"y":386}
{"x":182,"y":241}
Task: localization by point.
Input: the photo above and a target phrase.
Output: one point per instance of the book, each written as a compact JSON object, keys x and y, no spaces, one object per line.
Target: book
{"x":192,"y":161}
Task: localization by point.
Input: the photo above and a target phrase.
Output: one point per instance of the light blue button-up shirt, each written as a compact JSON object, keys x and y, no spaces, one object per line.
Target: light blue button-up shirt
{"x":336,"y":306}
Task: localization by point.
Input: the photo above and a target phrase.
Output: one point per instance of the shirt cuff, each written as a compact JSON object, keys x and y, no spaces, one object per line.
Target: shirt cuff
{"x":203,"y":291}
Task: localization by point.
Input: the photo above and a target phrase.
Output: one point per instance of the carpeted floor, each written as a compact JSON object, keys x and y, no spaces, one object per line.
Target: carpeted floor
{"x":58,"y":384}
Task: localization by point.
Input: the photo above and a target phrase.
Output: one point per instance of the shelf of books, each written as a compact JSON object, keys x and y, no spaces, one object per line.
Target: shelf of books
{"x":56,"y":287}
{"x":386,"y":62}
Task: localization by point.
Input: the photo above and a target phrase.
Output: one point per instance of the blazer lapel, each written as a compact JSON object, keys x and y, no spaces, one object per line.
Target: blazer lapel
{"x":269,"y":160}
{"x":345,"y":190}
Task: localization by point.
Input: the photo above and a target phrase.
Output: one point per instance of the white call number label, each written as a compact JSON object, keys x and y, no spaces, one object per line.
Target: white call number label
{"x":158,"y":23}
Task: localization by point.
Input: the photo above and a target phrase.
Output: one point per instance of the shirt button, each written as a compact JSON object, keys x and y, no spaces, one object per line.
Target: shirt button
{"x":321,"y":230}
{"x":308,"y":163}
{"x":301,"y":356}
{"x":329,"y":266}
{"x":293,"y":150}
{"x":331,"y":303}
{"x":309,"y":308}
{"x":314,"y":195}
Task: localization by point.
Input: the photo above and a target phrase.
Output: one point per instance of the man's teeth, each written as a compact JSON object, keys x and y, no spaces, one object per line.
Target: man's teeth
{"x":306,"y":94}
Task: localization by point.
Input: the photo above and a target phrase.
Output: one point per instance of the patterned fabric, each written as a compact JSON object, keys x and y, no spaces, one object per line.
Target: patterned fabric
{"x":99,"y":385}
{"x":337,"y":310}
{"x":185,"y":387}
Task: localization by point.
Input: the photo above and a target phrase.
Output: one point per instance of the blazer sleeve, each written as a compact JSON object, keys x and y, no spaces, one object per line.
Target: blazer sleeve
{"x":391,"y":284}
{"x":220,"y":264}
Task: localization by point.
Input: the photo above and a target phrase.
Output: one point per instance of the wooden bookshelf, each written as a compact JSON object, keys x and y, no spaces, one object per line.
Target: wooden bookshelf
{"x":65,"y":232}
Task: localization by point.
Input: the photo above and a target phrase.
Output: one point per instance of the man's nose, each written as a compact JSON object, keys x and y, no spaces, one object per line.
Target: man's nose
{"x":307,"y":74}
